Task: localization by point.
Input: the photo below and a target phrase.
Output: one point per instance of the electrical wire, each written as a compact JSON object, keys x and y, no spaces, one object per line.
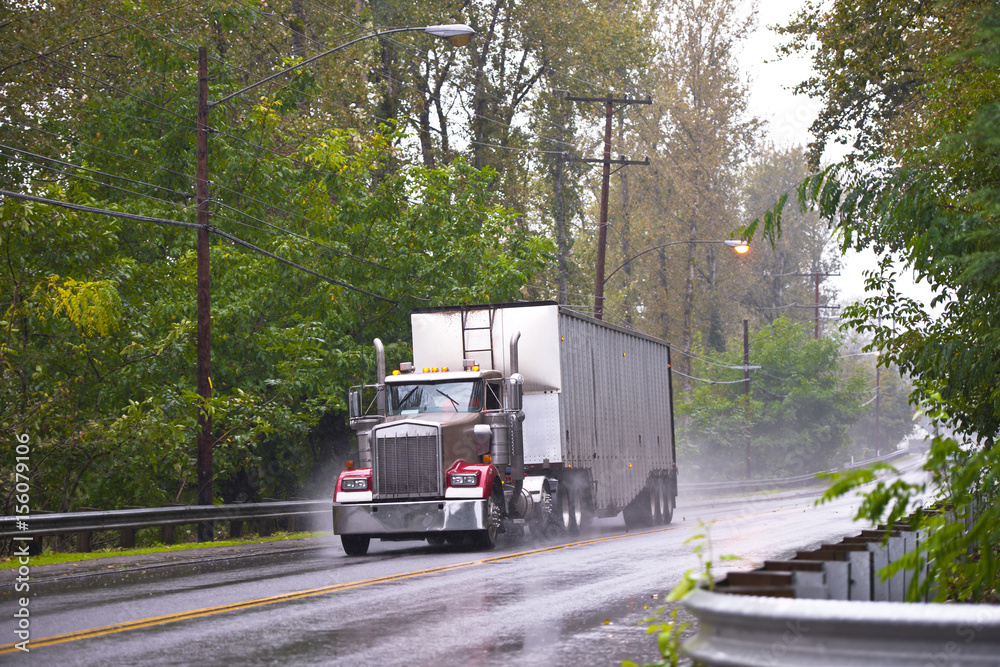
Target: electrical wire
{"x":191,"y":225}
{"x":278,"y":228}
{"x":185,"y":195}
{"x":691,"y":377}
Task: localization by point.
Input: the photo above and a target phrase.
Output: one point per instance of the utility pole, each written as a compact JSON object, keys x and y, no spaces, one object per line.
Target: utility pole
{"x":878,"y":392}
{"x":816,"y":279}
{"x":746,"y":388}
{"x":456,"y":34}
{"x":815,"y":275}
{"x":205,"y":469}
{"x":602,"y":231}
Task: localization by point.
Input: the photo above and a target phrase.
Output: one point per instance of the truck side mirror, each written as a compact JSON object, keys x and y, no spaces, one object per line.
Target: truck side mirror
{"x":515,"y":392}
{"x":354,"y":404}
{"x":482,"y":435}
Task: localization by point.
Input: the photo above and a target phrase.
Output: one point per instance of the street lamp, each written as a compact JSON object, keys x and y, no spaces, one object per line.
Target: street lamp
{"x":741,"y":247}
{"x":456,"y":34}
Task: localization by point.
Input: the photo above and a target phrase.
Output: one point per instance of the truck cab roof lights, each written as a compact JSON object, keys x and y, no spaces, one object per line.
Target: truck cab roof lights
{"x":468,"y":364}
{"x":406,"y":367}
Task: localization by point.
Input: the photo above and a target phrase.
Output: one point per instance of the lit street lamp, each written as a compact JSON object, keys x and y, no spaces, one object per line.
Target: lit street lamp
{"x":456,"y":34}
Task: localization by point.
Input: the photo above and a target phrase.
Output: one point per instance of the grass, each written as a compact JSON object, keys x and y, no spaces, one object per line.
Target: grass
{"x":73,"y":557}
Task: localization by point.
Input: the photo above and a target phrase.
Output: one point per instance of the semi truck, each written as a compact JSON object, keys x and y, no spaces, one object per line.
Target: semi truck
{"x":510,"y":418}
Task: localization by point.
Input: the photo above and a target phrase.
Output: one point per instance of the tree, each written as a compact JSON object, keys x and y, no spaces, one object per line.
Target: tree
{"x":800,"y":407}
{"x":696,"y":133}
{"x":923,"y":190}
{"x":780,"y":281}
{"x":886,"y":415}
{"x":97,"y":313}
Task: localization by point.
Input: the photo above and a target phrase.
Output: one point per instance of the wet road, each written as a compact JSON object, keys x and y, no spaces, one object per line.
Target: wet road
{"x":572,"y":601}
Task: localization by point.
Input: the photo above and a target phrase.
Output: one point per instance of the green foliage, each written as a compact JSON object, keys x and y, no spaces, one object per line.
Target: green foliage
{"x":668,"y":631}
{"x":98,"y":314}
{"x":923,"y":191}
{"x":796,"y":416}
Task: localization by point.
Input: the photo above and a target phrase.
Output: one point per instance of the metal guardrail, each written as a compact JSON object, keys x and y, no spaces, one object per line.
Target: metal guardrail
{"x":129,"y":520}
{"x":710,"y":489}
{"x":830,"y":607}
{"x":763,"y":631}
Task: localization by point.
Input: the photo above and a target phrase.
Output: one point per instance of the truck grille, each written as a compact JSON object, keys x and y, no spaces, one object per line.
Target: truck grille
{"x":407,"y":462}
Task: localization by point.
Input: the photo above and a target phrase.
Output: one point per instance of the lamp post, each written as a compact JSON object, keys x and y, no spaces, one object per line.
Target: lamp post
{"x":457,"y":34}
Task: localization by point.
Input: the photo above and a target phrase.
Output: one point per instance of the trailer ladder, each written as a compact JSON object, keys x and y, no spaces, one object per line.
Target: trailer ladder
{"x":466,"y":350}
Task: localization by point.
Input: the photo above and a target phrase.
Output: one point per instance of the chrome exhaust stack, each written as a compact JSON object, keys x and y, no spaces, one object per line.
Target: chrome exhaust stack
{"x":361,"y":422}
{"x":515,"y":398}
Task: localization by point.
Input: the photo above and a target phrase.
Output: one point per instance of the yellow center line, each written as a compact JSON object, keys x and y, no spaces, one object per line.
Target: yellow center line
{"x":208,"y":611}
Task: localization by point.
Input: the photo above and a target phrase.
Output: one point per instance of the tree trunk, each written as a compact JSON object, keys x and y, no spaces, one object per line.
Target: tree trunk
{"x":297,"y":24}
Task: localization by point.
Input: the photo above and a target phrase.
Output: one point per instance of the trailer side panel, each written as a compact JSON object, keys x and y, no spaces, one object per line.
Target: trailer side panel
{"x":614,"y":406}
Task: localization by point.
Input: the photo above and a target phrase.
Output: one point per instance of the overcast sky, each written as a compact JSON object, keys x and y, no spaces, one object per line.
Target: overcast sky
{"x":789,"y":117}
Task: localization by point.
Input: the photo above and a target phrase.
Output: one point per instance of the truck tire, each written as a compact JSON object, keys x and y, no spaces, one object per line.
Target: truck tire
{"x":355,"y":545}
{"x":655,"y":500}
{"x":668,"y":503}
{"x":565,"y":510}
{"x":663,"y":510}
{"x":576,"y":509}
{"x":487,"y":539}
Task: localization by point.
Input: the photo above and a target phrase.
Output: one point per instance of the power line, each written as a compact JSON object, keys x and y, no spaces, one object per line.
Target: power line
{"x":691,"y":377}
{"x":95,"y":171}
{"x":278,"y":228}
{"x":189,"y":225}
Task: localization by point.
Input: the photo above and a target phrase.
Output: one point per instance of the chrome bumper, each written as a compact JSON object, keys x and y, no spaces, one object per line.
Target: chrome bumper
{"x":426,"y":516}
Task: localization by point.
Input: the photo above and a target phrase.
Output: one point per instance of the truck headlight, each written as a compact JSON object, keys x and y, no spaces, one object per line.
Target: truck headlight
{"x":354,"y":484}
{"x":465,"y":479}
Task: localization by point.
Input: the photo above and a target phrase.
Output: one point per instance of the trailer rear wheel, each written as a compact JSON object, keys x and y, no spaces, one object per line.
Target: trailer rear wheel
{"x":655,"y":496}
{"x":668,"y":514}
{"x":663,"y":510}
{"x":355,"y":545}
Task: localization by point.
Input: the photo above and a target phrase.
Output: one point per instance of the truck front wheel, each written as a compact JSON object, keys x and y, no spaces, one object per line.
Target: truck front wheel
{"x":487,"y":539}
{"x":355,"y":545}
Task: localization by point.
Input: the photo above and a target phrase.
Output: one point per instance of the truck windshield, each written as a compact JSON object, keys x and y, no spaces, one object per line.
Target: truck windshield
{"x":410,"y":399}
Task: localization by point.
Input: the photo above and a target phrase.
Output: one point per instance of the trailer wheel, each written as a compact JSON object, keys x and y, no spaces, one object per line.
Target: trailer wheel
{"x":654,"y":496}
{"x":668,"y":503}
{"x":355,"y":545}
{"x":661,"y":489}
